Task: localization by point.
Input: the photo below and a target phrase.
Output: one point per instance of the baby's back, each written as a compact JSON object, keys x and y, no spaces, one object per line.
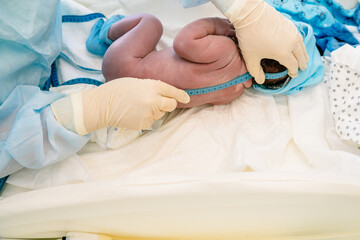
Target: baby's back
{"x":167,"y":66}
{"x":202,"y":55}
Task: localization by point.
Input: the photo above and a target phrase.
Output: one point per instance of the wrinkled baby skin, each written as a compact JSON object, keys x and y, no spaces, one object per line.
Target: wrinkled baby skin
{"x":203,"y":55}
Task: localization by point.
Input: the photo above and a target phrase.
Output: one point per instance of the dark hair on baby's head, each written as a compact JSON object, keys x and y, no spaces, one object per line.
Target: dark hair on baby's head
{"x":270,"y":66}
{"x":273,"y":66}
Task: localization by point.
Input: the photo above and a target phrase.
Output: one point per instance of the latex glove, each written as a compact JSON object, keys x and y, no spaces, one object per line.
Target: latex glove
{"x":126,"y":102}
{"x":263,"y":32}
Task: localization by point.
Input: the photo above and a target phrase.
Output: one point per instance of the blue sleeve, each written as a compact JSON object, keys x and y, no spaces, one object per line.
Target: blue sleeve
{"x":30,"y":136}
{"x":31,"y":40}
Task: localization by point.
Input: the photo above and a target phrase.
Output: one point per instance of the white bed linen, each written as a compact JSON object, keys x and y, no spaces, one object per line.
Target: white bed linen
{"x":248,"y":206}
{"x":190,"y":177}
{"x":261,"y":132}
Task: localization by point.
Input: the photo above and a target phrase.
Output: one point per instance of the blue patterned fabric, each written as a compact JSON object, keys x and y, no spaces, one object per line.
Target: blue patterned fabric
{"x":333,"y":25}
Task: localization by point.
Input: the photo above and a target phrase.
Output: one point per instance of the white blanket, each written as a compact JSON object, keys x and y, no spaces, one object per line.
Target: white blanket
{"x":262,"y":167}
{"x":255,"y":132}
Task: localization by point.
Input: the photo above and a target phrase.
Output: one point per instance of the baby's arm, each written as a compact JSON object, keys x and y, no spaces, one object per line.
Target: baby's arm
{"x":134,"y":37}
{"x":205,"y":40}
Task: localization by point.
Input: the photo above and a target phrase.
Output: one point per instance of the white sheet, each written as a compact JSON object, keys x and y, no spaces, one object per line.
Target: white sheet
{"x":191,"y":177}
{"x":266,"y":133}
{"x":260,"y":206}
{"x":258,"y":132}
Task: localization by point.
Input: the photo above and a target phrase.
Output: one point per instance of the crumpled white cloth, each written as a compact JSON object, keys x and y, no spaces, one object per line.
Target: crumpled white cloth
{"x":344,"y":92}
{"x":68,"y":171}
{"x":288,"y":134}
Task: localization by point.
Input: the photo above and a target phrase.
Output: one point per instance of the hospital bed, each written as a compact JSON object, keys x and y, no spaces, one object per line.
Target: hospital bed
{"x":262,"y":167}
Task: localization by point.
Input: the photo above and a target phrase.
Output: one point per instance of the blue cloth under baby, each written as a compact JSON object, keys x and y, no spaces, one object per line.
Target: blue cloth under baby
{"x":98,"y":42}
{"x":333,"y":25}
{"x":312,"y":75}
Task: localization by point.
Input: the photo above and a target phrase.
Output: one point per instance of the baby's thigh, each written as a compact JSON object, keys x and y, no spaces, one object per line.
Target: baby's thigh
{"x":116,"y":64}
{"x":219,"y":97}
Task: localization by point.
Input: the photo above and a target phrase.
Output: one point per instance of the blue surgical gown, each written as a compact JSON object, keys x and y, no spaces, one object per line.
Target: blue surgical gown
{"x":30,"y":40}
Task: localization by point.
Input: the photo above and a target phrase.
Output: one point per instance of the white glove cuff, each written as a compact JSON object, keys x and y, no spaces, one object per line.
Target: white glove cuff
{"x":78,"y":117}
{"x":240,"y":9}
{"x":69,"y":113}
{"x":224,"y":5}
{"x":63,"y":112}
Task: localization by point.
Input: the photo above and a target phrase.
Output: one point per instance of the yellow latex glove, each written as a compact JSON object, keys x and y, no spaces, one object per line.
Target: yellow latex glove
{"x":263,"y":32}
{"x":126,"y":102}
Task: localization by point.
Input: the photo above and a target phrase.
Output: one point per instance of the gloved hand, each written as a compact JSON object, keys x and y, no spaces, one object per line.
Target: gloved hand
{"x":263,"y":32}
{"x":126,"y":102}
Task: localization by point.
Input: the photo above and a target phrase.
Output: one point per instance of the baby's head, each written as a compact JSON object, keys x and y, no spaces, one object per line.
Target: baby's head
{"x":269,"y":66}
{"x":273,"y":66}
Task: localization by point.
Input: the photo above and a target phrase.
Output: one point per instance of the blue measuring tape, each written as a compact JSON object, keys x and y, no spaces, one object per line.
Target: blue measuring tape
{"x":191,"y":92}
{"x":237,"y":80}
{"x":196,"y":91}
{"x":82,"y":18}
{"x":82,"y":80}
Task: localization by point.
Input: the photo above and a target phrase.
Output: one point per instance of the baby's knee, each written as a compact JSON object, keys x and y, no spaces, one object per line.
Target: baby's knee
{"x":153,"y":22}
{"x":181,"y":45}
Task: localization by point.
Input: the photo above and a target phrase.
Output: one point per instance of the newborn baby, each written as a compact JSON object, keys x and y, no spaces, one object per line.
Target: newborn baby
{"x":203,"y":54}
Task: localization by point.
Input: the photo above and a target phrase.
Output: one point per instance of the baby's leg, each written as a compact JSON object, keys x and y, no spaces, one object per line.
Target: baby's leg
{"x":206,"y":40}
{"x":134,"y":37}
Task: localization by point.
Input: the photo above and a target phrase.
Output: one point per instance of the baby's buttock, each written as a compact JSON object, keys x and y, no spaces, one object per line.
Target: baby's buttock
{"x":204,"y":75}
{"x":170,"y":68}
